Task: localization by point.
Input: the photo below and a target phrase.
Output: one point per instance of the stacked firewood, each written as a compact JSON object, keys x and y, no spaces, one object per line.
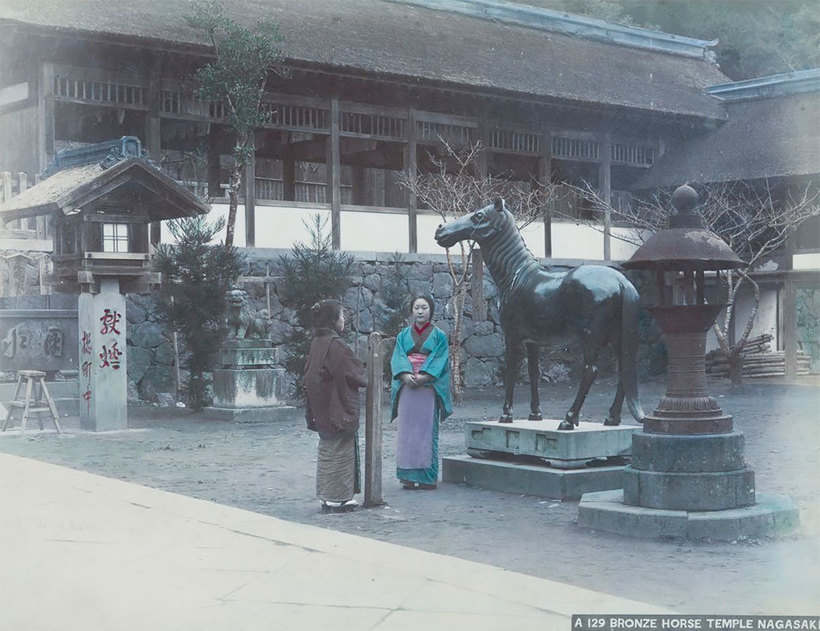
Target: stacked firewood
{"x":758,"y":360}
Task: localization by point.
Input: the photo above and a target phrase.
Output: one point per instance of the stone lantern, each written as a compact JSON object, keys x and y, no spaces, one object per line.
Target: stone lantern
{"x":688,"y":477}
{"x":101,"y":200}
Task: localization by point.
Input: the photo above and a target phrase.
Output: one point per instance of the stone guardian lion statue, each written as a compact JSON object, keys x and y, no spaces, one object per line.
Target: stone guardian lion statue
{"x":243,"y":321}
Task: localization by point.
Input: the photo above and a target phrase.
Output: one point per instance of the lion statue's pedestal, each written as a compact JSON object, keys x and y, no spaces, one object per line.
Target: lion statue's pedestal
{"x":248,"y":385}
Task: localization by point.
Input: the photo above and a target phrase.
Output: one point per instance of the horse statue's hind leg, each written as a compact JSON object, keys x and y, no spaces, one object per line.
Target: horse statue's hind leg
{"x":534,"y":372}
{"x":591,"y":349}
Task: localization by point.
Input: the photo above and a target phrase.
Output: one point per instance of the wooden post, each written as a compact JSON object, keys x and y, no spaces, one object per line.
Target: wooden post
{"x":544,"y":179}
{"x":153,"y":135}
{"x":250,"y":200}
{"x":790,"y":326}
{"x":477,"y":287}
{"x":289,"y":179}
{"x":605,"y":192}
{"x":45,"y":115}
{"x":334,"y":176}
{"x":373,"y":424}
{"x":411,"y":168}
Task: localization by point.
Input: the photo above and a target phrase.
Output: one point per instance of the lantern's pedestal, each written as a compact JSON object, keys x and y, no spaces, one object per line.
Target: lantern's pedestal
{"x":247,"y":388}
{"x":688,"y":477}
{"x":102,"y":354}
{"x":533,"y":457}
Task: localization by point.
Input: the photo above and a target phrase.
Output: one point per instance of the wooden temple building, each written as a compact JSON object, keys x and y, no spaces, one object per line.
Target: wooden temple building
{"x":374,"y":89}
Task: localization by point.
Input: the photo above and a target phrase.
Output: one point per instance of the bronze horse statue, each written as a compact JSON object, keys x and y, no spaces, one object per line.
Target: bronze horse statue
{"x":595,"y":303}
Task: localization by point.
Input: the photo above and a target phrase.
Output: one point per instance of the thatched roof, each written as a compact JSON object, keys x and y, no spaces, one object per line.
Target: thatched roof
{"x":412,"y":43}
{"x":68,"y":190}
{"x":765,"y":137}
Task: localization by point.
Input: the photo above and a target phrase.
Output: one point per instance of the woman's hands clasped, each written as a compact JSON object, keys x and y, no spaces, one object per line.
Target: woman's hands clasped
{"x":415,"y":381}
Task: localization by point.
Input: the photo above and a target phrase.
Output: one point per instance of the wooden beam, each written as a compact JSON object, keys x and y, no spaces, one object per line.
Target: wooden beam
{"x":153,"y":136}
{"x":289,"y":179}
{"x":334,"y":175}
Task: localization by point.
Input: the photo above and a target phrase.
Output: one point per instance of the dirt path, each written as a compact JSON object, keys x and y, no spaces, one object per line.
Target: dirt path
{"x":269,"y":468}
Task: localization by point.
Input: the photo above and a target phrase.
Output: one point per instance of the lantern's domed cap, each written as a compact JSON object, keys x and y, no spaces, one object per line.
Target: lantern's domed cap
{"x":685,"y":245}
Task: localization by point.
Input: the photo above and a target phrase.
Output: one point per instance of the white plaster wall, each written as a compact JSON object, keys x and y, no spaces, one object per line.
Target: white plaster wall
{"x":806,"y":261}
{"x":282,"y":226}
{"x":766,"y":320}
{"x":574,"y":241}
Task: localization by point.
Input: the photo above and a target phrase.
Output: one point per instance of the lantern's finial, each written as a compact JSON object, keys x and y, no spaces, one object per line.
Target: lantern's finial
{"x":684,"y":199}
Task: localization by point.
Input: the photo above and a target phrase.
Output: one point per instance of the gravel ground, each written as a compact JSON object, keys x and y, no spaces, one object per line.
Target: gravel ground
{"x":269,"y":468}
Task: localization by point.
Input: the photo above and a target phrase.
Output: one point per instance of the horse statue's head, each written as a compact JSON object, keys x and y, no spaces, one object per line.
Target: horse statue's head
{"x":479,"y":225}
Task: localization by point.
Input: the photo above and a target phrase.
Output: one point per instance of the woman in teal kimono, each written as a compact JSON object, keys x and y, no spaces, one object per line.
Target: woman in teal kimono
{"x":420,"y":395}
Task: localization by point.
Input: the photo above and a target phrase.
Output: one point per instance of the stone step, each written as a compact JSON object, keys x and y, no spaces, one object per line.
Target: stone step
{"x":64,"y":389}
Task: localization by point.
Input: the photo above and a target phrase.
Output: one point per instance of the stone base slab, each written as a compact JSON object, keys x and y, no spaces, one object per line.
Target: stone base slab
{"x":771,"y":516}
{"x":243,"y":388}
{"x":563,"y":449}
{"x":253,"y":415}
{"x":541,"y":481}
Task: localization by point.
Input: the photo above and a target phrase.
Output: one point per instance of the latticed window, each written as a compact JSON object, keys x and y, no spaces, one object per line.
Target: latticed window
{"x":115,"y":237}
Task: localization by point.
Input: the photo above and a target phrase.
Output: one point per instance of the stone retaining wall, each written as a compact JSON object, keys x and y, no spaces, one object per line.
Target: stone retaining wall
{"x":152,"y":352}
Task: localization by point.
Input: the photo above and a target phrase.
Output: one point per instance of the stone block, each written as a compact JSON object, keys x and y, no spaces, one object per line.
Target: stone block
{"x":529,"y":479}
{"x":563,"y":449}
{"x":247,"y":387}
{"x":674,"y":453}
{"x":257,"y":354}
{"x":689,"y":491}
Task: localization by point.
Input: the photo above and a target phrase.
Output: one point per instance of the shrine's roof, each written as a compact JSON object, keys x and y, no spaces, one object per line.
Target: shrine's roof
{"x":412,"y":42}
{"x":765,"y":137}
{"x":68,"y":190}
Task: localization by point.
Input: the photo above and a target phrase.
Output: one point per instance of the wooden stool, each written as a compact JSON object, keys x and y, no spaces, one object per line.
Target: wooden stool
{"x":35,"y":380}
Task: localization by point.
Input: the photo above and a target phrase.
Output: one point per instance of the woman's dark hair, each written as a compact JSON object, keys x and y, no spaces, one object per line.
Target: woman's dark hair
{"x":426,"y":299}
{"x":325,"y":313}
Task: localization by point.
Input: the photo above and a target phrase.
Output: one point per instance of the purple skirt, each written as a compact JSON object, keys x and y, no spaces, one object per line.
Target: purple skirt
{"x":416,"y":411}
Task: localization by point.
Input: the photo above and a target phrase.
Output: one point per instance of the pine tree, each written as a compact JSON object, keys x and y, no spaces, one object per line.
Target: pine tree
{"x":310,"y":273}
{"x":195,"y":277}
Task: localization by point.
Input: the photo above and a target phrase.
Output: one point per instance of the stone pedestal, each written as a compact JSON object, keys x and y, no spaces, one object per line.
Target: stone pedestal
{"x":534,"y":458}
{"x":247,"y":388}
{"x":102,"y":357}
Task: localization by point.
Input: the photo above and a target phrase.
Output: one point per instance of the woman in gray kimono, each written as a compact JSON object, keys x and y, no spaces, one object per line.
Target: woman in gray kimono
{"x":333,"y":376}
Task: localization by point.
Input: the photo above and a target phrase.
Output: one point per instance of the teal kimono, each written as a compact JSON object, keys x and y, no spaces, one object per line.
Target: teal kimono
{"x":419,"y":410}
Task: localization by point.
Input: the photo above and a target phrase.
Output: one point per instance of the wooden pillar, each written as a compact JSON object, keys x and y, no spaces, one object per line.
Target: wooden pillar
{"x":790,"y":325}
{"x":214,"y":173}
{"x":373,"y":424}
{"x":605,"y":192}
{"x":359,"y":186}
{"x":411,"y":168}
{"x":477,"y":287}
{"x":153,"y":137}
{"x":483,"y":157}
{"x":334,"y":175}
{"x":250,"y":200}
{"x":289,"y":179}
{"x":544,"y":179}
{"x":45,"y":124}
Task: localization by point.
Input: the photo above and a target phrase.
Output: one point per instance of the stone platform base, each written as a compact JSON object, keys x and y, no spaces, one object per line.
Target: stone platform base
{"x":538,"y":480}
{"x":771,"y":516}
{"x":540,"y":439}
{"x":253,"y":415}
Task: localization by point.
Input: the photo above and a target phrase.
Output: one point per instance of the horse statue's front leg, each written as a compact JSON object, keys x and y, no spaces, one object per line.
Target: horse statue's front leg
{"x":534,"y":372}
{"x":512,"y":361}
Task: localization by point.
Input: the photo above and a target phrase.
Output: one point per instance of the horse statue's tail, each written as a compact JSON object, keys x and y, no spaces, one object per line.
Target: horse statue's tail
{"x":629,"y":349}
